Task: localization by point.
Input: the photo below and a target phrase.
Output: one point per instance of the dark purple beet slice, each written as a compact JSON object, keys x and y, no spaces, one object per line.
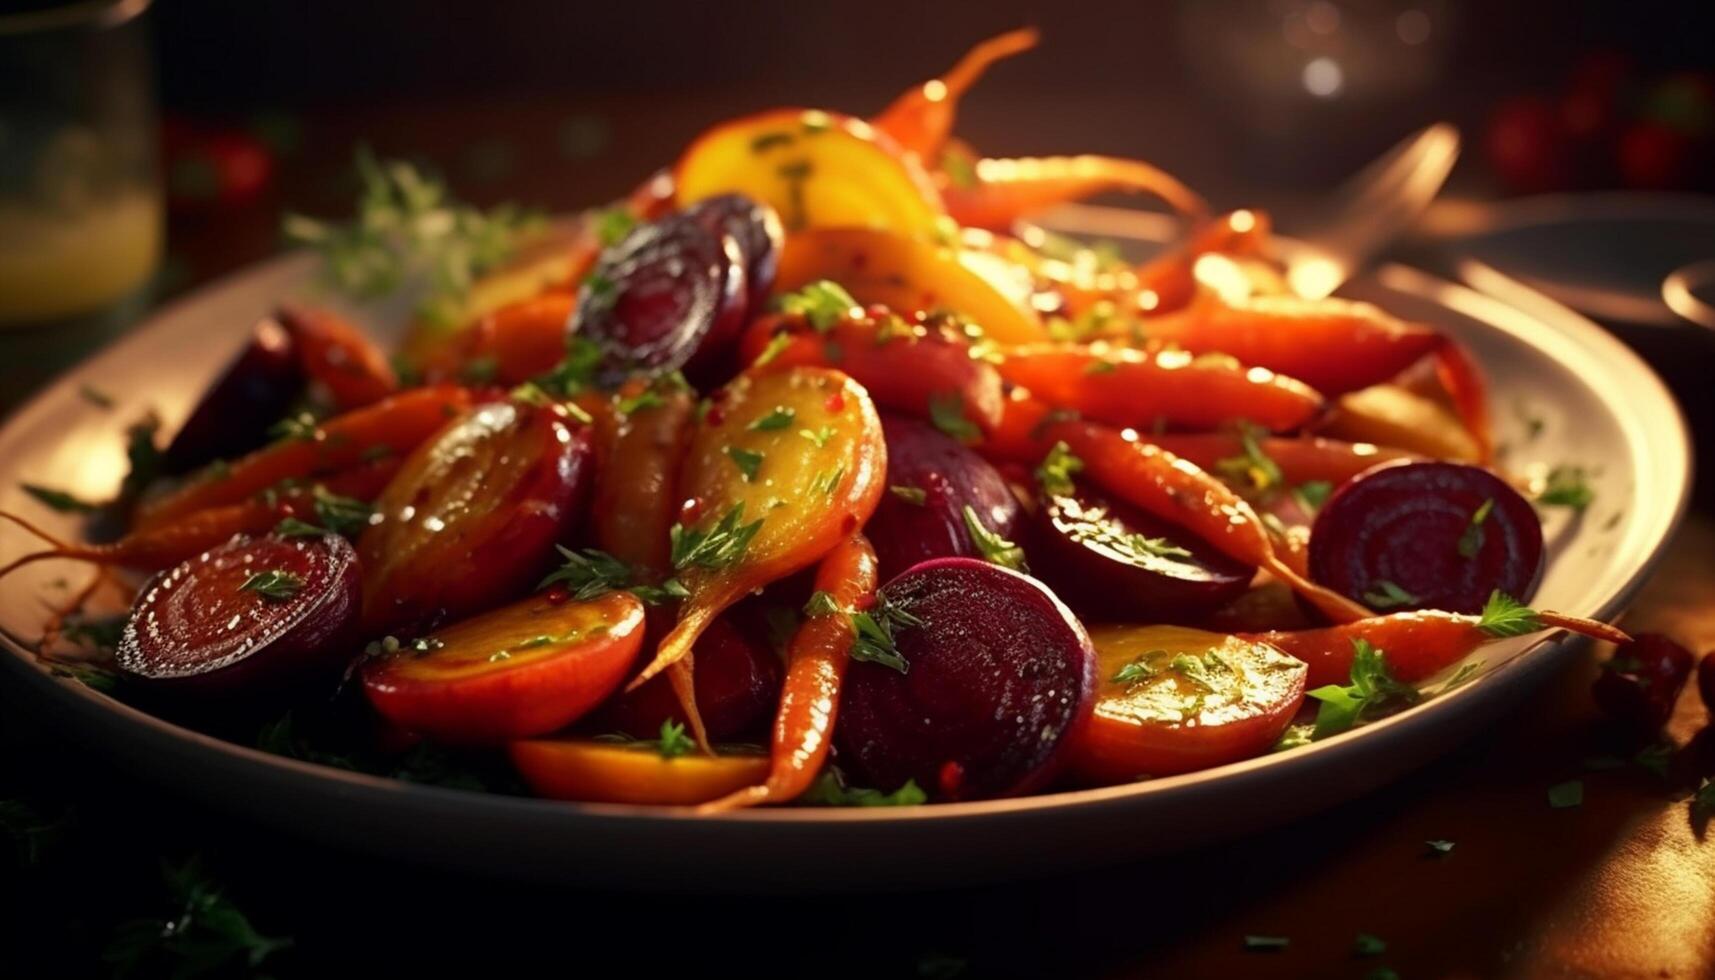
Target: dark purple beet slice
{"x":199,"y":628}
{"x":257,"y":388}
{"x":999,"y":671}
{"x":950,"y":476}
{"x":655,"y":297}
{"x":1405,"y":536}
{"x":756,"y":229}
{"x":1110,"y":560}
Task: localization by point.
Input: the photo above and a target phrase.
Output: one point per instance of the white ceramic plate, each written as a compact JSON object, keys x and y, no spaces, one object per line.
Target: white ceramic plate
{"x":1601,"y":406}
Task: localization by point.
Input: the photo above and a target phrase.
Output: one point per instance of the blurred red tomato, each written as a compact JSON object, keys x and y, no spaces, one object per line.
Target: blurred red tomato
{"x":1527,"y":146}
{"x":209,"y":168}
{"x":1654,"y":156}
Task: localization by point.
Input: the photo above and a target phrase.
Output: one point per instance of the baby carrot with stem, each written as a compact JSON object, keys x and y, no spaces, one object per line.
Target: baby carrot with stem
{"x":921,"y":119}
{"x":816,"y":664}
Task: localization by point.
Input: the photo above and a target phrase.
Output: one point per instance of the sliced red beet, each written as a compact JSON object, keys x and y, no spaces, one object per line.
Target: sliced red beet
{"x":998,"y":672}
{"x":233,"y":417}
{"x":1114,"y":561}
{"x":658,"y":295}
{"x":932,"y":478}
{"x":756,"y":229}
{"x":251,"y":615}
{"x":737,"y":684}
{"x":1427,"y":536}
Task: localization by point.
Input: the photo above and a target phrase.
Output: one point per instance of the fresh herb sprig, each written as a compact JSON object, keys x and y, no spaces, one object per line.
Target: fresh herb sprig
{"x":716,"y":548}
{"x":1372,"y":686}
{"x":994,"y":548}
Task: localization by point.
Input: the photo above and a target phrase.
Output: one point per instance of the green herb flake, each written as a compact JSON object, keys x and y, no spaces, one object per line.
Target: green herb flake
{"x":1703,"y":801}
{"x":781,"y":417}
{"x":1138,"y":670}
{"x":1386,"y":594}
{"x":1471,"y":539}
{"x":947,"y":411}
{"x":613,"y":224}
{"x":1563,"y":796}
{"x":588,"y":573}
{"x":1367,"y":944}
{"x":95,"y":396}
{"x":1439,"y":847}
{"x":1265,"y":944}
{"x":1312,"y":494}
{"x":273,"y":584}
{"x":822,"y":603}
{"x":1503,"y":616}
{"x":777,"y":345}
{"x":716,"y":548}
{"x":339,"y":514}
{"x":1656,"y":758}
{"x":1057,"y":470}
{"x":1254,"y":469}
{"x":1567,"y":486}
{"x":1099,"y":365}
{"x":830,"y":789}
{"x":916,"y":496}
{"x":748,"y":461}
{"x":994,"y":548}
{"x":876,"y":631}
{"x":480,"y":370}
{"x":1372,"y":686}
{"x":818,"y":437}
{"x":291,"y":527}
{"x":655,"y":595}
{"x":59,"y":500}
{"x":673,"y":741}
{"x":823,"y":303}
{"x":203,"y":934}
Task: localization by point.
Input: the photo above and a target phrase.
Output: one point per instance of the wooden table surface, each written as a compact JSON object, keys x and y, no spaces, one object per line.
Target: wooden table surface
{"x":1621,"y":886}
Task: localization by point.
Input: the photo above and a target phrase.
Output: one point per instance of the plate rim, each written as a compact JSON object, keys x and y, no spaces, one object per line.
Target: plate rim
{"x":361,"y":788}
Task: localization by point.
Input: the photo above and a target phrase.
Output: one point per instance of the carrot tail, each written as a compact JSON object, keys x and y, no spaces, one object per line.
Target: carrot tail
{"x":681,"y":674}
{"x":698,"y":613}
{"x":35,"y":531}
{"x":1592,"y":628}
{"x":1331,"y":604}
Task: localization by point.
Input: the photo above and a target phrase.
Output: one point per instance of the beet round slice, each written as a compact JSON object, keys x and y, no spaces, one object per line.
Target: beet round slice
{"x":1112,"y":560}
{"x":233,"y":416}
{"x":999,"y":672}
{"x":756,"y":229}
{"x":1427,"y":536}
{"x":655,"y":297}
{"x":250,"y":615}
{"x":907,"y":528}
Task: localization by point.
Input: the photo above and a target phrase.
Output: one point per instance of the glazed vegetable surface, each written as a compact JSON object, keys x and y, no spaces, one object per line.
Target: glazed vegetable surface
{"x":814,"y":473}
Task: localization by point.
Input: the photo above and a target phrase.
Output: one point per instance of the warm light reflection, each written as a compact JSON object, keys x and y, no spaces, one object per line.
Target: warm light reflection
{"x":1323,"y":77}
{"x":1222,"y":275}
{"x":1315,"y":278}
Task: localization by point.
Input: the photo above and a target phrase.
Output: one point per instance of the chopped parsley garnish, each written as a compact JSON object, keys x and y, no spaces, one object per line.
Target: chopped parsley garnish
{"x":1372,"y":686}
{"x":639,"y":402}
{"x":409,"y":231}
{"x":613,"y":224}
{"x":1386,"y":594}
{"x":828,"y":481}
{"x":1253,"y":469}
{"x":673,"y":741}
{"x":916,"y":496}
{"x":876,"y":642}
{"x":777,"y":344}
{"x":747,"y":461}
{"x":291,"y":527}
{"x":1057,"y":469}
{"x":947,"y":411}
{"x":1139,"y":669}
{"x":1266,"y":944}
{"x":95,"y":632}
{"x":994,"y":548}
{"x":588,"y":573}
{"x":59,"y":500}
{"x":1703,"y":801}
{"x":719,"y":546}
{"x":204,"y":934}
{"x":1564,"y":796}
{"x":273,"y":584}
{"x":480,"y":370}
{"x":822,"y":603}
{"x":576,"y":371}
{"x":1567,"y":486}
{"x":1439,"y":847}
{"x":1471,"y":539}
{"x":341,"y":515}
{"x":1504,"y":616}
{"x":1100,"y":365}
{"x":781,"y":417}
{"x":302,"y":427}
{"x":1655,"y":758}
{"x":823,"y":303}
{"x":818,"y":437}
{"x":655,"y":595}
{"x":1192,"y":669}
{"x":1368,"y":945}
{"x":1312,"y":494}
{"x":830,"y":789}
{"x":142,"y":457}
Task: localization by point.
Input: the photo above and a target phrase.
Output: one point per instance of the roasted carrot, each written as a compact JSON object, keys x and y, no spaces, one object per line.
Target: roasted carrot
{"x":816,"y":663}
{"x":923,"y":366}
{"x":1417,"y":644}
{"x":921,"y":119}
{"x":1176,"y":490}
{"x":1464,"y":382}
{"x":1004,"y":191}
{"x":1170,"y":276}
{"x":394,"y":426}
{"x":339,"y":356}
{"x":520,"y":340}
{"x":1167,"y":387}
{"x":1301,"y":460}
